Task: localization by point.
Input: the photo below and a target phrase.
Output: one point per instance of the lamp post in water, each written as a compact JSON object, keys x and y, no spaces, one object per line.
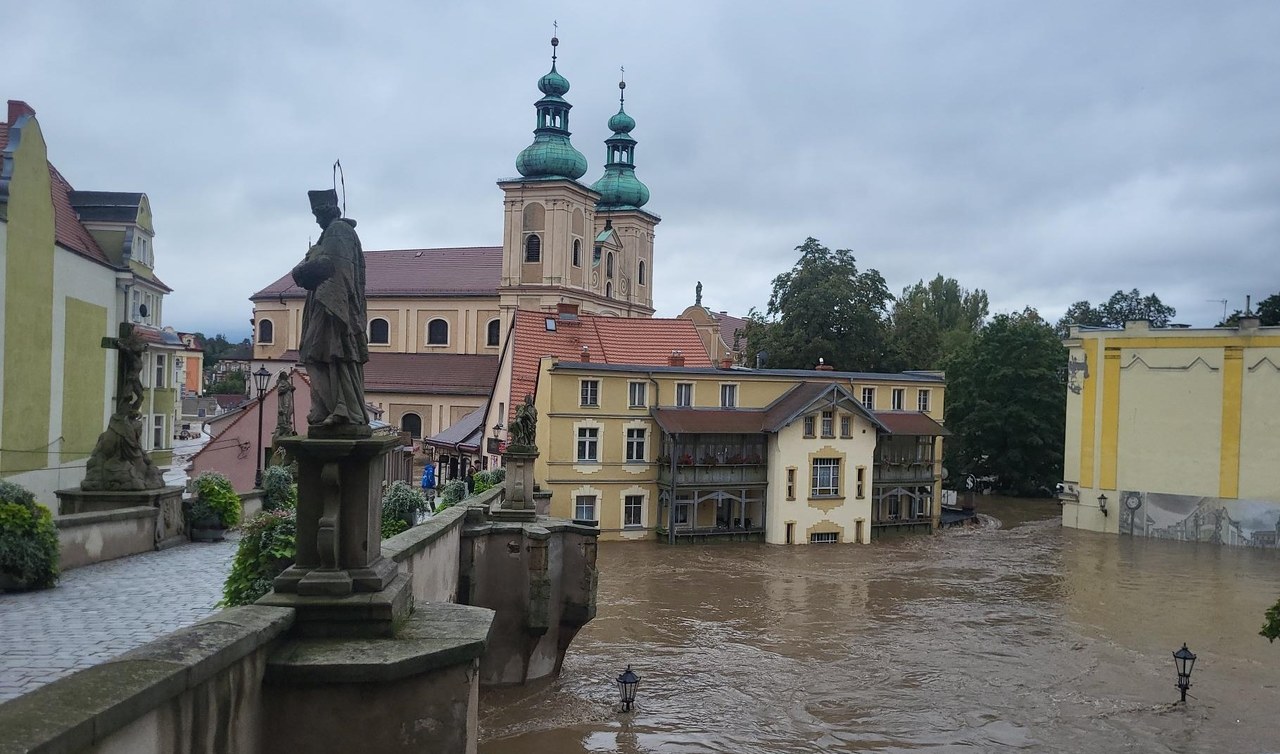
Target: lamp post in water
{"x":627,"y":683}
{"x":1185,"y":660}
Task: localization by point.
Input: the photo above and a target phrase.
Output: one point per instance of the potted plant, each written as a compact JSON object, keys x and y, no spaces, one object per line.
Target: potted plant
{"x":203,"y":522}
{"x":214,"y":509}
{"x":28,"y":541}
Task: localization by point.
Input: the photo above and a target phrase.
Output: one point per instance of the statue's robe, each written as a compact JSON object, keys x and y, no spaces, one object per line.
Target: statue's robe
{"x":333,"y":344}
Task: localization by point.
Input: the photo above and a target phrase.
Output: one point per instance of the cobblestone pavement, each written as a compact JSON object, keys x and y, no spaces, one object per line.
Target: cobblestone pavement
{"x":101,"y":610}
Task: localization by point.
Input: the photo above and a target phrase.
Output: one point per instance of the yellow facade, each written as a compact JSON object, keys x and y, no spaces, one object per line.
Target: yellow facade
{"x":609,"y":406}
{"x":1170,"y":412}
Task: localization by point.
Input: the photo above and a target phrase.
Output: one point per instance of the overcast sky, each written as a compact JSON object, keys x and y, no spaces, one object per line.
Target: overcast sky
{"x":1043,"y":151}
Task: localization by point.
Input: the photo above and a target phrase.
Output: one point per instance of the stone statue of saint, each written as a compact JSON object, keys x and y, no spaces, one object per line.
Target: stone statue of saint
{"x":284,"y":405}
{"x":333,"y":345}
{"x":697,"y":294}
{"x":524,"y":427}
{"x":118,"y":461}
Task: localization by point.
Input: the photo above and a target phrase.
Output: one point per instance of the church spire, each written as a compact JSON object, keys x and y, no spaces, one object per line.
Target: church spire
{"x":551,"y":155}
{"x":618,"y":187}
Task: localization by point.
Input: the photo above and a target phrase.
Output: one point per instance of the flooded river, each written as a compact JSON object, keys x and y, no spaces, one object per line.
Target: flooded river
{"x":1023,"y":637}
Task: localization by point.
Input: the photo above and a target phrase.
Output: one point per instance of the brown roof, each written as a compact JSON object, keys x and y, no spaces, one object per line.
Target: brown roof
{"x":911,"y":423}
{"x":465,"y":434}
{"x":438,"y":373}
{"x":608,"y":340}
{"x":68,"y":232}
{"x":729,"y":325}
{"x":463,"y":271}
{"x":710,"y":420}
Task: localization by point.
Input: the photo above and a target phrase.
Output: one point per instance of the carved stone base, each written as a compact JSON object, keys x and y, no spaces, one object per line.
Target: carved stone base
{"x":170,"y":525}
{"x":351,"y":615}
{"x":519,"y":480}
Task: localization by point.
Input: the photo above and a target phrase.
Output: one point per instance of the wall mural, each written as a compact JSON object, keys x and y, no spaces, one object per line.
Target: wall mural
{"x":1191,"y":518}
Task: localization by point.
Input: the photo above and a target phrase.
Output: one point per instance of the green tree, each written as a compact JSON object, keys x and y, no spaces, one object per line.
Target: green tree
{"x":1117,"y":310}
{"x":823,"y":308}
{"x":1006,"y":404}
{"x":1268,"y":312}
{"x":232,"y":383}
{"x":931,"y":321}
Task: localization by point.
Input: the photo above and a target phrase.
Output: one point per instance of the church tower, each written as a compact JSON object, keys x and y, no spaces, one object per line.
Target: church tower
{"x":557,"y":246}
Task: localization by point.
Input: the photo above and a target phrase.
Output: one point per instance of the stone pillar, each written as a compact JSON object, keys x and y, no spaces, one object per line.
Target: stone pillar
{"x":518,"y":488}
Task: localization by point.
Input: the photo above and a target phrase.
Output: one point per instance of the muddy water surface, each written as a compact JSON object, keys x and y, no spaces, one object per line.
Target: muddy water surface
{"x":1023,"y":637}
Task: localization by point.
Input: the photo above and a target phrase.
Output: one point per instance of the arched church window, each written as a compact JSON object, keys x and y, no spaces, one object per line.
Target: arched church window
{"x":608,"y":265}
{"x":266,"y":332}
{"x":411,"y":423}
{"x":640,"y":274}
{"x":608,"y":290}
{"x":437,"y":333}
{"x":533,"y":248}
{"x":494,"y":328}
{"x":379,"y":332}
{"x":577,"y":253}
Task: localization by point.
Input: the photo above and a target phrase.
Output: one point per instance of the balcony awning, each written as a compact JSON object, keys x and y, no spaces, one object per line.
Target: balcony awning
{"x":710,"y":421}
{"x":911,"y":423}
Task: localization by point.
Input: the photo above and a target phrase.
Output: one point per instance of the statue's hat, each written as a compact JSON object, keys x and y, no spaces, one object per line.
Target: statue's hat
{"x":323,"y":198}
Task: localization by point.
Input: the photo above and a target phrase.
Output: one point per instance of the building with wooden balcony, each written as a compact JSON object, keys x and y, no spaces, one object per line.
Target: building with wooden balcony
{"x":678,"y":453}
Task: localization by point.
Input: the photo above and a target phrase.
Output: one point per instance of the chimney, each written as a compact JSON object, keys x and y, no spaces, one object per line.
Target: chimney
{"x":586,"y":354}
{"x":823,"y":366}
{"x":726,"y":363}
{"x":17,"y":109}
{"x":676,"y":359}
{"x":567,"y":311}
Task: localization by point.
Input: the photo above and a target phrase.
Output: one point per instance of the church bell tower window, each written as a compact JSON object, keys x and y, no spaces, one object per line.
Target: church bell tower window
{"x":532,"y":248}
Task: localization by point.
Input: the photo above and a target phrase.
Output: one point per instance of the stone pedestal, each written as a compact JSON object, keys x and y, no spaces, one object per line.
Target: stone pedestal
{"x":518,"y":495}
{"x":170,"y":525}
{"x":340,"y":583}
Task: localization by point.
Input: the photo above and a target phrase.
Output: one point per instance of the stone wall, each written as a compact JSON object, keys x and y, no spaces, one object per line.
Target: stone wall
{"x":85,"y":538}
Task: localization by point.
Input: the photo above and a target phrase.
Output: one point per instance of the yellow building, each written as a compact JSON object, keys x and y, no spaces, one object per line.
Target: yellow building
{"x":1174,"y":432}
{"x":784,"y":456}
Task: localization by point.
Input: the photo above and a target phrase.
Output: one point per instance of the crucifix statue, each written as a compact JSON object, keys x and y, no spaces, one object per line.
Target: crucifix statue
{"x":118,"y":461}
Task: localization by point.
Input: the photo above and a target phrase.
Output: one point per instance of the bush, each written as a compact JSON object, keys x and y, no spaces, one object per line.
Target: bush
{"x":28,"y":539}
{"x":392,"y":527}
{"x":451,"y":494}
{"x":278,"y":488}
{"x":487,"y":480}
{"x":403,"y":503}
{"x":215,"y":490}
{"x":267,"y":547}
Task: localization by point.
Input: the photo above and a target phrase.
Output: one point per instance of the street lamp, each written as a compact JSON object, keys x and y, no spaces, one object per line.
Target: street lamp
{"x":497,"y":429}
{"x":1102,"y":504}
{"x":260,"y":380}
{"x":627,"y":683}
{"x":1184,"y":660}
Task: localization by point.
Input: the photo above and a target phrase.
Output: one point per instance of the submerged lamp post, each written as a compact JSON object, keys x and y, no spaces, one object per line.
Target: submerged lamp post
{"x":1185,"y":660}
{"x":627,"y":683}
{"x":260,"y":380}
{"x":1102,"y":504}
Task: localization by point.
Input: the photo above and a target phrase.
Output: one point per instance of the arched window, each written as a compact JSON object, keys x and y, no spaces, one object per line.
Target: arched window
{"x":379,"y":331}
{"x":577,"y":253}
{"x":608,"y":265}
{"x":411,"y":423}
{"x":437,"y":333}
{"x":266,"y":332}
{"x":640,"y":274}
{"x":608,"y":290}
{"x":492,"y":335}
{"x":533,"y":248}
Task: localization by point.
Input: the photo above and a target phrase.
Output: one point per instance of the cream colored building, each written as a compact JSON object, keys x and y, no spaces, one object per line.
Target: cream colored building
{"x":786,"y":456}
{"x":1178,"y":428}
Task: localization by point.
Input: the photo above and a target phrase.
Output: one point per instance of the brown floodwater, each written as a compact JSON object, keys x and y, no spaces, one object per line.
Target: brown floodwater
{"x":1019,"y":635}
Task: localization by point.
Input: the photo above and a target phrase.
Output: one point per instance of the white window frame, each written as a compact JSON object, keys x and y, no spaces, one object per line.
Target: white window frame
{"x":633,"y":504}
{"x":637,"y":394}
{"x":497,"y":341}
{"x":585,"y":504}
{"x":922,"y":400}
{"x":589,"y":393}
{"x":447,"y":332}
{"x":899,"y":398}
{"x":160,"y":371}
{"x":637,"y":439}
{"x":587,"y":449}
{"x":386,"y":322}
{"x":272,"y":339}
{"x":828,"y":486}
{"x":157,"y":432}
{"x":828,"y":424}
{"x":687,"y":389}
{"x":846,"y":426}
{"x":809,"y":430}
{"x":729,"y":391}
{"x":869,"y":398}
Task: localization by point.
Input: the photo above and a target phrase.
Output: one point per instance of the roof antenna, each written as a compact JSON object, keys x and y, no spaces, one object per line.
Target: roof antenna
{"x":338,"y":175}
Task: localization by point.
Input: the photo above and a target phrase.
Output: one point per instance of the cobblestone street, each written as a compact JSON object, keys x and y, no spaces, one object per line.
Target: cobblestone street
{"x":101,"y":610}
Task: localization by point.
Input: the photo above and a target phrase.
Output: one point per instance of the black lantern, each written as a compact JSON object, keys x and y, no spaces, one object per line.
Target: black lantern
{"x":1184,"y":659}
{"x":260,"y":380}
{"x":1102,"y":504}
{"x":627,"y":683}
{"x":497,"y":429}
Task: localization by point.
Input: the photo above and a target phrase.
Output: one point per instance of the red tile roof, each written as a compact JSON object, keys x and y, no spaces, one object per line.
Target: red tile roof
{"x":438,"y":373}
{"x":911,"y":423}
{"x":68,"y":232}
{"x":609,"y":340}
{"x":466,"y":271}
